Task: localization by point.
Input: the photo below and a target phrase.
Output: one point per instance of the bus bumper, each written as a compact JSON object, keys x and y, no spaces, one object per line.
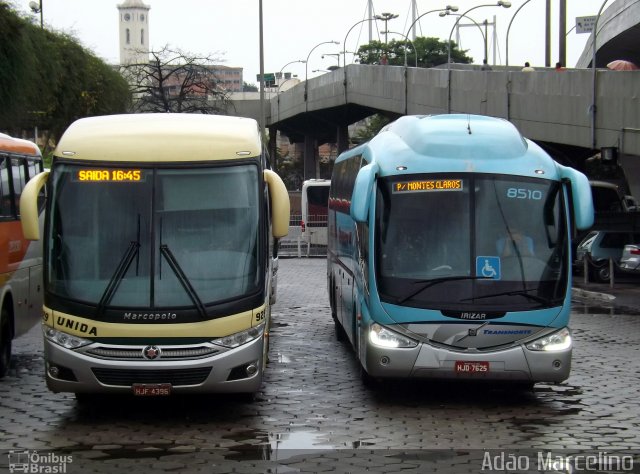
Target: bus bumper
{"x":224,"y":372}
{"x":515,"y":364}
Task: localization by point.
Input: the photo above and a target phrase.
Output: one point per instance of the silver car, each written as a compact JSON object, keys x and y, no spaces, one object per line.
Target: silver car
{"x":630,"y":260}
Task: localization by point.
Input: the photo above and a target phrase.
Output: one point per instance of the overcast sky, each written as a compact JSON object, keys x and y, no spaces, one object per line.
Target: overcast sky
{"x":293,"y":28}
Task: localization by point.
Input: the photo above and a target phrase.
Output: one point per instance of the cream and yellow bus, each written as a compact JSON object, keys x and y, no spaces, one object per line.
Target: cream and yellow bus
{"x":159,"y":247}
{"x":20,"y":260}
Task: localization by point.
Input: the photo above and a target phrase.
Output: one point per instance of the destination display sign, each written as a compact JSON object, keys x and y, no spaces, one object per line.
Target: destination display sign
{"x":422,"y":185}
{"x":109,"y":175}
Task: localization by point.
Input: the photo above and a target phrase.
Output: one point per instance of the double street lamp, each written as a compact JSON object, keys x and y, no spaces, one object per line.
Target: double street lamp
{"x":385,"y":17}
{"x":448,"y":8}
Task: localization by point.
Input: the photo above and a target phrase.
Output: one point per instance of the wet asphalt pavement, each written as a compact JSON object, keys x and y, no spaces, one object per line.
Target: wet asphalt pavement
{"x":313,"y":414}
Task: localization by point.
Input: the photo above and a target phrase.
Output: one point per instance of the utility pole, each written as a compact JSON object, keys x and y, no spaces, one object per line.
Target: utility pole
{"x":562,"y":33}
{"x":370,"y":6}
{"x":547,"y":35}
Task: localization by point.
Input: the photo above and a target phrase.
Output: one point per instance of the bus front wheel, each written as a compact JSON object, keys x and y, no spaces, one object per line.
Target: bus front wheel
{"x":5,"y":342}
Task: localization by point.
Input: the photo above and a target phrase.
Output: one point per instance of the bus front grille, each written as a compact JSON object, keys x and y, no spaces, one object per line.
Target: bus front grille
{"x":168,"y":353}
{"x":175,"y":377}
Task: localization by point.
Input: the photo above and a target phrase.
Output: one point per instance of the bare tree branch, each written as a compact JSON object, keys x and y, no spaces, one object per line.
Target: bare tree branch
{"x":175,"y":81}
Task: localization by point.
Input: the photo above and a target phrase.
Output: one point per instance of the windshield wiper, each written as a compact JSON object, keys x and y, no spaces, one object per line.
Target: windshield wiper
{"x":524,"y":292}
{"x":184,"y":281}
{"x":434,"y":281}
{"x":121,"y":271}
{"x":118,"y":275}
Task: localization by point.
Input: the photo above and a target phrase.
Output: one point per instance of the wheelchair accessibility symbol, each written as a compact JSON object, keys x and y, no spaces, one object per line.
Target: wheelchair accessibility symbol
{"x":488,"y":267}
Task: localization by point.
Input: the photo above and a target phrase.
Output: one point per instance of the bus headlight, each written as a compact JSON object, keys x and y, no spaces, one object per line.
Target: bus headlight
{"x":63,"y":339}
{"x":383,"y":337}
{"x":240,"y":338}
{"x":557,"y":341}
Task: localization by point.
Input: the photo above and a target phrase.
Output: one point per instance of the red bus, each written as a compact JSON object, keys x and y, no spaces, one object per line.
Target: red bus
{"x":20,"y":259}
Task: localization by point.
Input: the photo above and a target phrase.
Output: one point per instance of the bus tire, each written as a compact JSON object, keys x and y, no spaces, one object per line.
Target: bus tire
{"x":5,"y":342}
{"x":340,"y":334}
{"x":367,"y":380}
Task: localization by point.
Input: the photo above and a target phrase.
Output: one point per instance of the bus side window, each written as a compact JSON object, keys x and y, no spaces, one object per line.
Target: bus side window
{"x":6,"y":212}
{"x":18,"y":172}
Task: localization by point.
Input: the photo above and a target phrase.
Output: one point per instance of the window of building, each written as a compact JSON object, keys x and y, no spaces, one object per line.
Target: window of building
{"x":128,"y":34}
{"x":142,"y":36}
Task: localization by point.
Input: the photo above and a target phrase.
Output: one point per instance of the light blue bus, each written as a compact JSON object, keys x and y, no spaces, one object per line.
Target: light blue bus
{"x":449,"y":252}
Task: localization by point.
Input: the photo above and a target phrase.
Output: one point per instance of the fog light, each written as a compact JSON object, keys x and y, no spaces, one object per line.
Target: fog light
{"x":557,"y":364}
{"x":53,"y":371}
{"x":251,"y":369}
{"x":384,"y":360}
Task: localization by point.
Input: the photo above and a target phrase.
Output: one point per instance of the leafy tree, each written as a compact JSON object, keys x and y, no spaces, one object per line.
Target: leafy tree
{"x":246,"y":87}
{"x":175,"y":81}
{"x":48,"y":80}
{"x":371,"y":128}
{"x":431,"y":52}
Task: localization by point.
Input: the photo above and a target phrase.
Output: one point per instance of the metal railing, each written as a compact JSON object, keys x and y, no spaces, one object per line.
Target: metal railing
{"x":310,"y":243}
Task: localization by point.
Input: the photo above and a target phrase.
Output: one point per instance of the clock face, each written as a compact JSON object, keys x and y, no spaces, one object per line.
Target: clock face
{"x":127,"y":17}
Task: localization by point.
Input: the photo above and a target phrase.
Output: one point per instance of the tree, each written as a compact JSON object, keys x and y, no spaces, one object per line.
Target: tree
{"x":176,"y":81}
{"x":372,"y":125}
{"x":431,"y":52}
{"x":48,"y":80}
{"x":246,"y":87}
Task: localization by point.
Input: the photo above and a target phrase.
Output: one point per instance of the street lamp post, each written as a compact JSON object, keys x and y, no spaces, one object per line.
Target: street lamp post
{"x":36,"y":7}
{"x":386,"y":17}
{"x":290,"y":62}
{"x":448,"y":8}
{"x":500,"y":3}
{"x":509,"y":28}
{"x":594,"y":77}
{"x":261,"y":46}
{"x":306,"y":66}
{"x":415,"y":51}
{"x":344,"y":44}
{"x":337,"y":55}
{"x":475,"y":23}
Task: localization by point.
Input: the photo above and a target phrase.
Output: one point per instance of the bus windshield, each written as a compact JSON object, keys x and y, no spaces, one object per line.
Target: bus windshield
{"x":471,"y":242}
{"x":149,"y":237}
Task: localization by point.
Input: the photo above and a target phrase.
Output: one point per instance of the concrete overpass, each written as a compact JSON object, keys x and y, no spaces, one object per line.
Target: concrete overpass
{"x":579,"y":109}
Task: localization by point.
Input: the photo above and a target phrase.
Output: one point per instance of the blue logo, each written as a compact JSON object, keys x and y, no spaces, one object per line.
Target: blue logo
{"x":488,"y":267}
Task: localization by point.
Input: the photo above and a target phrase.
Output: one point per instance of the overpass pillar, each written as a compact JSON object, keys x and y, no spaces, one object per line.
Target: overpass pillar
{"x":343,"y":138}
{"x":310,"y":147}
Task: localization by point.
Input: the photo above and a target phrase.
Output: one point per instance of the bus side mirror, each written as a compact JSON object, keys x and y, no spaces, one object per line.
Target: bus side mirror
{"x":582,"y":202}
{"x":280,"y":207}
{"x":359,"y":209}
{"x":29,"y":206}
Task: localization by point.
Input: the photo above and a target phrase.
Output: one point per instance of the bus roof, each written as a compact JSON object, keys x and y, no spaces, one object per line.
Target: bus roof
{"x":160,"y":137}
{"x":18,"y":146}
{"x":454,"y":143}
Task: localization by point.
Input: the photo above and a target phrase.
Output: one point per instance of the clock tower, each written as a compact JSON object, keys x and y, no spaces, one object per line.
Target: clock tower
{"x":134,"y":32}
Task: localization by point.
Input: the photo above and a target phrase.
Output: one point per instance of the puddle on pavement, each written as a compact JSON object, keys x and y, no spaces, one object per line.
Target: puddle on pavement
{"x":579,"y":307}
{"x":275,"y":324}
{"x":283,"y":358}
{"x":260,"y":445}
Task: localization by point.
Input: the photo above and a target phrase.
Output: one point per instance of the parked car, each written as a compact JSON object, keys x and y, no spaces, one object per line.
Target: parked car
{"x":630,"y":260}
{"x":597,"y":247}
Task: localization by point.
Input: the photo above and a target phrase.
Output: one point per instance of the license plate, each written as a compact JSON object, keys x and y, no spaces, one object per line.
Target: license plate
{"x":466,"y":367}
{"x":151,"y":390}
